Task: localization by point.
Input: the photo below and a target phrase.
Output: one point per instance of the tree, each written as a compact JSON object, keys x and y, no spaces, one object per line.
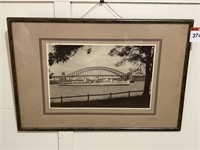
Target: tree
{"x":135,"y":54}
{"x":62,"y":53}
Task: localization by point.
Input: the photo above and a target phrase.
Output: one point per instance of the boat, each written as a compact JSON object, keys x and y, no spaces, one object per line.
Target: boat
{"x":103,"y":83}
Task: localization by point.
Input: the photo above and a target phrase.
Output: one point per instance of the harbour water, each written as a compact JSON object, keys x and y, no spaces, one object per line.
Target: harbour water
{"x":94,"y":91}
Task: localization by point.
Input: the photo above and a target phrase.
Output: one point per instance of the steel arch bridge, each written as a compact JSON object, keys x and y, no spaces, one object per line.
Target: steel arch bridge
{"x":99,"y":69}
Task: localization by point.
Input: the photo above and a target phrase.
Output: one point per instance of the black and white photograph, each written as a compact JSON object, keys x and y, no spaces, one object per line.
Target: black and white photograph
{"x":100,"y":75}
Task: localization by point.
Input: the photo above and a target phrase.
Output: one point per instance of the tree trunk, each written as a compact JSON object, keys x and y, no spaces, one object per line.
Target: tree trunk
{"x":147,"y":83}
{"x":148,"y":72}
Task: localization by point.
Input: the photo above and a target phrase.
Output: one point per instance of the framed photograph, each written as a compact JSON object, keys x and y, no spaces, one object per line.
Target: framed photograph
{"x":99,"y":74}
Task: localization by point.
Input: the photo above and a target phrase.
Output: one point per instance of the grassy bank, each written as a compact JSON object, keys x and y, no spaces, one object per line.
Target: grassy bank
{"x":131,"y":102}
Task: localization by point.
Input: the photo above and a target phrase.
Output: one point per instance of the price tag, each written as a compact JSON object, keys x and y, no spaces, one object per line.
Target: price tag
{"x":195,"y":34}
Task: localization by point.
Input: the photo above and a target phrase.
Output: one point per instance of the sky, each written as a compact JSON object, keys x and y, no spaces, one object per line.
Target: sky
{"x":98,"y":57}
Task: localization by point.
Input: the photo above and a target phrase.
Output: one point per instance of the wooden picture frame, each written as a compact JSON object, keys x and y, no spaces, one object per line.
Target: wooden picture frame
{"x":99,"y":74}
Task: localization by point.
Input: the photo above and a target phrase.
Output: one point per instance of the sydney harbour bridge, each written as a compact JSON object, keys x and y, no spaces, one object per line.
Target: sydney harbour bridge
{"x":94,"y":73}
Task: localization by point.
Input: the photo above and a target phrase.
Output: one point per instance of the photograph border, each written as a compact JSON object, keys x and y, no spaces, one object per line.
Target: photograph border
{"x":158,"y":49}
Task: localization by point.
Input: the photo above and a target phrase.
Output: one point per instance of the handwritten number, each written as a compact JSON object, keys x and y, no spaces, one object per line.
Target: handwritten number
{"x":196,"y":35}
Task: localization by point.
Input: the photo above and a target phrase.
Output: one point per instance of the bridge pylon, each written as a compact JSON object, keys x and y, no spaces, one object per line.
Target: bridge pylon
{"x":63,"y":77}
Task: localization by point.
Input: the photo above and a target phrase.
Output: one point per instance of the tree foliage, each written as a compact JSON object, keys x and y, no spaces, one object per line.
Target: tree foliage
{"x":135,"y":54}
{"x":62,"y":53}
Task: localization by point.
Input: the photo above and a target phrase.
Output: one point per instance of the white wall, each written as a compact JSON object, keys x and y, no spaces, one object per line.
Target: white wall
{"x":186,"y":139}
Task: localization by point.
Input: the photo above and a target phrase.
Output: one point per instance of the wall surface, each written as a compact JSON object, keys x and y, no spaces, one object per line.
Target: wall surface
{"x":187,"y":139}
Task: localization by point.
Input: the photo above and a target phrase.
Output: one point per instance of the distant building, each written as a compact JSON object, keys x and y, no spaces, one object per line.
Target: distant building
{"x":129,"y":76}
